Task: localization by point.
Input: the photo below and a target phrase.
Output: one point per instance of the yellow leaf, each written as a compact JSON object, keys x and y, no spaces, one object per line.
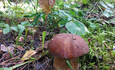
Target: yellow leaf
{"x":46,"y":5}
{"x":28,"y":54}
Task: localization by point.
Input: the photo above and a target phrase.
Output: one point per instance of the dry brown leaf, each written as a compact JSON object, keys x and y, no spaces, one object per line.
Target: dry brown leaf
{"x":21,"y":39}
{"x":51,"y":3}
{"x":28,"y":54}
{"x":0,"y":31}
{"x":30,"y":38}
{"x":7,"y":49}
{"x":6,"y":56}
{"x":31,"y":30}
{"x":46,"y":5}
{"x":20,"y":48}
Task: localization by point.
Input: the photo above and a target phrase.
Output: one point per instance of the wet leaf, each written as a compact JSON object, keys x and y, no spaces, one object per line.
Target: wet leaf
{"x":28,"y":54}
{"x":46,"y":5}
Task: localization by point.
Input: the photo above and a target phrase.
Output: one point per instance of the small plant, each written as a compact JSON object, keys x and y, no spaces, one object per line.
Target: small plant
{"x":19,"y":28}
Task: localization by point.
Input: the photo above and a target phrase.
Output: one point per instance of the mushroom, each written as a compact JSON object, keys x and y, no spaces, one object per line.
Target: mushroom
{"x":67,"y":46}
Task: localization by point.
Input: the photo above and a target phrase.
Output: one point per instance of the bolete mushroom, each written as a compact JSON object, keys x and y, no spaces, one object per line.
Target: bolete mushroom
{"x":67,"y":46}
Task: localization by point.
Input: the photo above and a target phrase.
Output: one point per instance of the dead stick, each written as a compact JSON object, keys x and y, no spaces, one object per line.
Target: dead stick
{"x":108,"y":49}
{"x":9,"y":60}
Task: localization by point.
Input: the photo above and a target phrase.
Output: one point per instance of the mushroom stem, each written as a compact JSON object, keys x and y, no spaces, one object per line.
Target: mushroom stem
{"x":60,"y":63}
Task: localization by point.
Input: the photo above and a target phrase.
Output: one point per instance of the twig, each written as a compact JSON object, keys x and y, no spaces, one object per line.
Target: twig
{"x":9,"y":60}
{"x":90,"y":10}
{"x":44,"y":63}
{"x":23,"y":67}
{"x":108,"y":49}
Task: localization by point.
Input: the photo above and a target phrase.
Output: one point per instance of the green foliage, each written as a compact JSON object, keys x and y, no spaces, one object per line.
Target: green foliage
{"x":93,"y":1}
{"x":71,"y":17}
{"x":43,"y":39}
{"x":109,"y":9}
{"x":19,"y":28}
{"x":76,"y":27}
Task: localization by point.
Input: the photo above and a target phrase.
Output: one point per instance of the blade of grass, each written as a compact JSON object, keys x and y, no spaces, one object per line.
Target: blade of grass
{"x":43,"y":38}
{"x":69,"y":64}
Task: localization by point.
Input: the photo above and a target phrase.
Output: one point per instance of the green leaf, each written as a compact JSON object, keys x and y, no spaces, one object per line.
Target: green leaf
{"x":1,"y":13}
{"x":43,"y":39}
{"x":76,"y":9}
{"x":112,"y":21}
{"x":80,"y":13}
{"x":85,"y":1}
{"x":14,"y":28}
{"x":62,"y":23}
{"x":72,"y":12}
{"x":26,"y":23}
{"x":64,"y":15}
{"x":2,"y":25}
{"x":36,"y":18}
{"x":67,"y":6}
{"x":9,"y":2}
{"x":21,"y":28}
{"x":69,"y":64}
{"x":7,"y":29}
{"x":110,"y":5}
{"x":106,"y":5}
{"x":76,"y":27}
{"x":6,"y":68}
{"x":108,"y":13}
{"x":103,"y":4}
{"x":92,"y":25}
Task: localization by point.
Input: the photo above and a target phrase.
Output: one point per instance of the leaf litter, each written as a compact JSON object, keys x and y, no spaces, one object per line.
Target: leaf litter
{"x":35,"y":58}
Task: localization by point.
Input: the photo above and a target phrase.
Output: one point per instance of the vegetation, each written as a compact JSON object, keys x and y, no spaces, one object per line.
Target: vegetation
{"x":26,"y":26}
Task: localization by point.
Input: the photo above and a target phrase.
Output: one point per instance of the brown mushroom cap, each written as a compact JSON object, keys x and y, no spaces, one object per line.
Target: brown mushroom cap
{"x":68,"y":46}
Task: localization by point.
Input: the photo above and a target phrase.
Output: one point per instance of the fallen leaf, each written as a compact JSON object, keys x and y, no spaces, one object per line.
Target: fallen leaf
{"x":20,"y":48}
{"x":6,"y":56}
{"x":46,"y":45}
{"x":31,"y":30}
{"x":46,"y":5}
{"x":0,"y":31}
{"x":28,"y":54}
{"x":7,"y":49}
{"x":3,"y":47}
{"x":10,"y":60}
{"x":30,"y":38}
{"x":51,"y":3}
{"x":21,"y":39}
